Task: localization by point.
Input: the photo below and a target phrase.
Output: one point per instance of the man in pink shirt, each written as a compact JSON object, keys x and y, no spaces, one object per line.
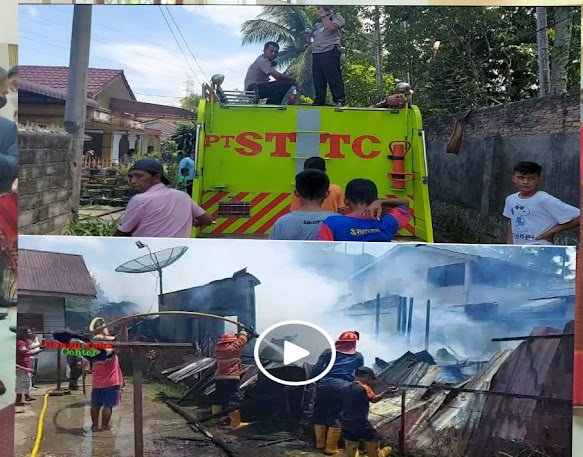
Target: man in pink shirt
{"x":158,"y":211}
{"x":107,"y":381}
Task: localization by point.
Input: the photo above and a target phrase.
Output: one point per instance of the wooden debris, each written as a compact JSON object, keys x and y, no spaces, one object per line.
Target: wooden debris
{"x":194,"y":424}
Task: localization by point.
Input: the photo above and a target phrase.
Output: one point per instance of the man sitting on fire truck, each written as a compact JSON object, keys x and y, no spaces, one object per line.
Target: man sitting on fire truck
{"x":257,"y":78}
{"x":366,"y":221}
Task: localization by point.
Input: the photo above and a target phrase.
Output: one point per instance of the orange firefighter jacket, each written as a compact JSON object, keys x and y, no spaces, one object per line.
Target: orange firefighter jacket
{"x":228,"y":356}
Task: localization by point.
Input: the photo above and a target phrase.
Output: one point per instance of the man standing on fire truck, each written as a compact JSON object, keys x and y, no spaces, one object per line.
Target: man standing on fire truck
{"x":228,"y":374}
{"x":328,"y":405}
{"x":326,"y":57}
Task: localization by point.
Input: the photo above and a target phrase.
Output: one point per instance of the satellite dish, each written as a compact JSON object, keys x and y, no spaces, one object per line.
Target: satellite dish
{"x":154,"y":261}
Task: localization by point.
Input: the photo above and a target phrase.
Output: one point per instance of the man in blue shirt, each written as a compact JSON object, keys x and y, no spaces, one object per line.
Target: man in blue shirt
{"x":328,"y":405}
{"x":188,"y":162}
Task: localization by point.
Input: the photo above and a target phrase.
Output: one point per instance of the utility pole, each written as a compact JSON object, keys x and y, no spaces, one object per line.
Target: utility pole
{"x":542,"y":39}
{"x":75,"y":105}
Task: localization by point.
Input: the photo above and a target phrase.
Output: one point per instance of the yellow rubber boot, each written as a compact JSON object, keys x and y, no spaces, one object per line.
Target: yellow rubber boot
{"x":351,"y":448}
{"x":386,"y":451}
{"x":320,"y":431}
{"x":373,"y":449}
{"x":235,"y":417}
{"x":332,"y":441}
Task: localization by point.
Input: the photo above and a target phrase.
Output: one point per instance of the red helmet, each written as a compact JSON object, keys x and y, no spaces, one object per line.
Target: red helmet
{"x":350,"y":335}
{"x":227,"y":338}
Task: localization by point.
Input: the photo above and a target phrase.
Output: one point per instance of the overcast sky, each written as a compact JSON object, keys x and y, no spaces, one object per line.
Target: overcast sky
{"x":139,"y":41}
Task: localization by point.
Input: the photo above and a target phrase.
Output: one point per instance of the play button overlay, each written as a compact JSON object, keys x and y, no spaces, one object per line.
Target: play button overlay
{"x":282,"y":350}
{"x":292,"y":353}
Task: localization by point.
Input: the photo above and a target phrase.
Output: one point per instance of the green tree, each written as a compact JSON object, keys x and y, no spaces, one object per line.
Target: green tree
{"x":185,"y":137}
{"x":565,"y":39}
{"x":190,"y":102}
{"x":361,"y":85}
{"x":459,"y":58}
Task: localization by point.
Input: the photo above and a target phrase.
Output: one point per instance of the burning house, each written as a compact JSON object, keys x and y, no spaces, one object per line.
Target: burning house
{"x":404,"y":291}
{"x":233,"y":297}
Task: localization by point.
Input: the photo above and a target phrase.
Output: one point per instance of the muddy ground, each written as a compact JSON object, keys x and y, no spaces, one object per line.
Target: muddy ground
{"x":67,"y":431}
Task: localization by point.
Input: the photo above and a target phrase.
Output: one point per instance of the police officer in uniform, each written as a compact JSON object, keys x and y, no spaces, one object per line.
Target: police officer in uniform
{"x":328,"y":405}
{"x":257,"y":78}
{"x":326,"y":56}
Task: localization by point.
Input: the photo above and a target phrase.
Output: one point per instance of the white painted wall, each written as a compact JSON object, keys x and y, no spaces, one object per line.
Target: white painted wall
{"x":9,"y":22}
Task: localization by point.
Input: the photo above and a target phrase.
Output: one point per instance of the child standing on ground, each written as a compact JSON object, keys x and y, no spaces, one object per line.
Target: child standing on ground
{"x":535,"y":216}
{"x":181,"y":182}
{"x":365,"y":221}
{"x":356,"y":427}
{"x":311,"y":189}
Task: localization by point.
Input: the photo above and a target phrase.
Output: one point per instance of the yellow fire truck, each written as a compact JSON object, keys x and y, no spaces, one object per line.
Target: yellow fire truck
{"x":248,"y":153}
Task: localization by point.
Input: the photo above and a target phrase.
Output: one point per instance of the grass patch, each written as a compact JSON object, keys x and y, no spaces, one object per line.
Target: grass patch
{"x":88,"y":225}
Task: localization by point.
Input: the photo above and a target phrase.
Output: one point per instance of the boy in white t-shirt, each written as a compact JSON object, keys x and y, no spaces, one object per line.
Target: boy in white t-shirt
{"x":535,"y":216}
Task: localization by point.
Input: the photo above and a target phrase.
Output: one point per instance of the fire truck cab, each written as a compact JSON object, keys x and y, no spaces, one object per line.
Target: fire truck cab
{"x":247,"y":156}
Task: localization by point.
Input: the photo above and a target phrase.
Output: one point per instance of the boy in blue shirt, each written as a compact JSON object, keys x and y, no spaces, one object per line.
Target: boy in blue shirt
{"x":365,"y":221}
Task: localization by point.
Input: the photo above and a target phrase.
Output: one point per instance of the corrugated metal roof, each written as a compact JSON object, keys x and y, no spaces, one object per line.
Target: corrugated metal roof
{"x":560,"y":290}
{"x":54,"y":272}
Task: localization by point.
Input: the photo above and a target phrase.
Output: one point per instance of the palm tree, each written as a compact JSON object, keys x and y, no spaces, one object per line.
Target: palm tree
{"x":285,"y":25}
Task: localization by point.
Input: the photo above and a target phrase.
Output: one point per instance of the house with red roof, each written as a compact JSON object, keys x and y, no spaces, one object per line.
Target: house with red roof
{"x":115,"y":120}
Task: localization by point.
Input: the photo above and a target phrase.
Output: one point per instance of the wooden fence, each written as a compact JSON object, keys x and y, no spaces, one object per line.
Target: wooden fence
{"x":95,"y":162}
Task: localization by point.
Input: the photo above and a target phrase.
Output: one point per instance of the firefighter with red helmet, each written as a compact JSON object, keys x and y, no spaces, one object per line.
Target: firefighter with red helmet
{"x":228,"y":374}
{"x":328,"y":405}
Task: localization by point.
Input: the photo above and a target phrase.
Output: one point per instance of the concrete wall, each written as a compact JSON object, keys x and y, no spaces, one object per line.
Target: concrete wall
{"x":468,"y":190}
{"x":44,"y":181}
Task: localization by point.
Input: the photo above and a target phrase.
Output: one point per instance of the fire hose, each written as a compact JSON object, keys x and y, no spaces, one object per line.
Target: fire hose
{"x":247,"y":328}
{"x":187,"y":313}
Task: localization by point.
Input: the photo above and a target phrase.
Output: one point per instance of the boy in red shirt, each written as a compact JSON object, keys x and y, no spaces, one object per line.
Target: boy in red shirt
{"x":365,"y":221}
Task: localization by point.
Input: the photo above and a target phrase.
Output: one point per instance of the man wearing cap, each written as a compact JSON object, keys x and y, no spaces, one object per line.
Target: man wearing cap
{"x":107,"y":380}
{"x":228,"y":352}
{"x":356,"y":427}
{"x":328,"y":405}
{"x":158,"y":211}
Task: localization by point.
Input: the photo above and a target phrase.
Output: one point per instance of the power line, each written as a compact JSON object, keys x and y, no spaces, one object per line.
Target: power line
{"x":186,"y":43}
{"x":178,"y":44}
{"x":156,"y":95}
